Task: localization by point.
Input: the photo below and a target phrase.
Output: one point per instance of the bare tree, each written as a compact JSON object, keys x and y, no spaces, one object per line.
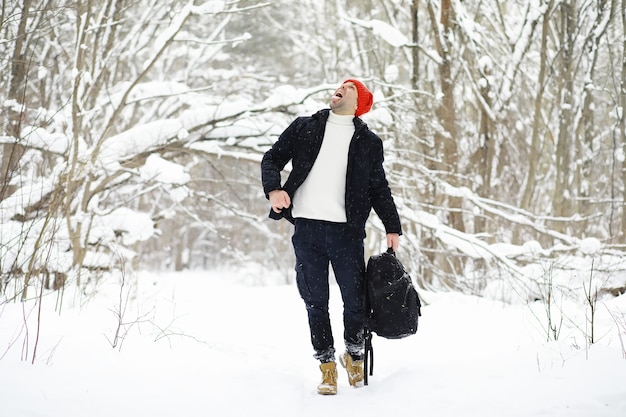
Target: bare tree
{"x":621,"y":139}
{"x":99,"y":61}
{"x":493,"y":115}
{"x":19,"y":64}
{"x":538,"y":124}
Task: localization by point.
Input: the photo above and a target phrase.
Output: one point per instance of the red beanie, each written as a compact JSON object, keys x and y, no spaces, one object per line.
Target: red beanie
{"x":365,"y":98}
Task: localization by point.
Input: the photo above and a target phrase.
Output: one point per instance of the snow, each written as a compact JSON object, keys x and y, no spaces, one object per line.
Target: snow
{"x":210,"y":7}
{"x":165,"y":36}
{"x":166,"y":172}
{"x":132,"y":225}
{"x":392,"y":73}
{"x":40,"y":138}
{"x":29,"y":192}
{"x":139,"y":139}
{"x":388,"y":33}
{"x":590,"y":246}
{"x":382,"y":30}
{"x":235,"y":343}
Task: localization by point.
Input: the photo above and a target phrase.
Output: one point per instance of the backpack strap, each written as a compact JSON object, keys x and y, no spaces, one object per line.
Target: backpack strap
{"x":369,"y":355}
{"x":369,"y":349}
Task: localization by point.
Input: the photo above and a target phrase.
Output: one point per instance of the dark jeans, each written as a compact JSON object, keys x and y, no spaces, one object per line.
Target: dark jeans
{"x":318,"y":244}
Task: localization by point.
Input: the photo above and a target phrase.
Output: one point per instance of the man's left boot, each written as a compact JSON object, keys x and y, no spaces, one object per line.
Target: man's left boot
{"x":328,"y":386}
{"x":354,"y":369}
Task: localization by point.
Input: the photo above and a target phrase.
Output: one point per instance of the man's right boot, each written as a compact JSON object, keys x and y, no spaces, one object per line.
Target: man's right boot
{"x":354,"y":368}
{"x":328,"y":386}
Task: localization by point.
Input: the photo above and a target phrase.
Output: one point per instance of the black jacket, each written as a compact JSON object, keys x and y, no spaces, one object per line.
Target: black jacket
{"x":366,"y":185}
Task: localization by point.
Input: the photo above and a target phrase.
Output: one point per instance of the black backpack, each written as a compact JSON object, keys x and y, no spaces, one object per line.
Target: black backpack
{"x":392,"y":304}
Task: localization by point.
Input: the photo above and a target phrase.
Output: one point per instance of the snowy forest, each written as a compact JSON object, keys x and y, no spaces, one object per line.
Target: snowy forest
{"x":131,"y":133}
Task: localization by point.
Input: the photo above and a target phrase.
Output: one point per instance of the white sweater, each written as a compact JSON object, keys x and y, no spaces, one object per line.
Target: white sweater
{"x":322,"y":196}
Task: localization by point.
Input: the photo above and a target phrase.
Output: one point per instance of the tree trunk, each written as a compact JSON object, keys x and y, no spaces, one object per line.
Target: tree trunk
{"x":415,"y":40}
{"x":562,"y":197}
{"x":445,"y":146}
{"x":538,"y":122}
{"x":12,"y":153}
{"x":486,"y":151}
{"x":588,"y":131}
{"x":446,"y":142}
{"x":622,"y":138}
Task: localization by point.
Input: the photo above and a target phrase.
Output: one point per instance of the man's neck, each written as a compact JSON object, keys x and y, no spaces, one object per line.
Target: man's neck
{"x":340,"y":118}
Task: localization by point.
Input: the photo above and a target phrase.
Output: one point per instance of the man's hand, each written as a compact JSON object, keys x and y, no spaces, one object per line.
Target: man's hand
{"x":393,"y":241}
{"x":279,"y":199}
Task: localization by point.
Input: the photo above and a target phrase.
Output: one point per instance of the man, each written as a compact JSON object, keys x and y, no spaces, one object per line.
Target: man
{"x":337,"y":177}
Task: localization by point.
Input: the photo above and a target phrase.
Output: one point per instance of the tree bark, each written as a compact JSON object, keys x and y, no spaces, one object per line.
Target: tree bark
{"x":562,"y":197}
{"x":588,"y":130}
{"x":445,"y":159}
{"x":486,"y":151}
{"x":12,"y":153}
{"x":415,"y":40}
{"x":446,"y":142}
{"x":622,"y":138}
{"x":536,"y":142}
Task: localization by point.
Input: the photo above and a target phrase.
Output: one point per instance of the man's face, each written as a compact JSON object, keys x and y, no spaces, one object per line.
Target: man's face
{"x":345,"y":99}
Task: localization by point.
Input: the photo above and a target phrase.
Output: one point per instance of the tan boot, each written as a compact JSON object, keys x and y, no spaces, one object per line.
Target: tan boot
{"x":328,"y":386}
{"x":354,"y":368}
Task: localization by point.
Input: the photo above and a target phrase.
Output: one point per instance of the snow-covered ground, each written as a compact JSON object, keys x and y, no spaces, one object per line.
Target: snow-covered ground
{"x":220,"y":344}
